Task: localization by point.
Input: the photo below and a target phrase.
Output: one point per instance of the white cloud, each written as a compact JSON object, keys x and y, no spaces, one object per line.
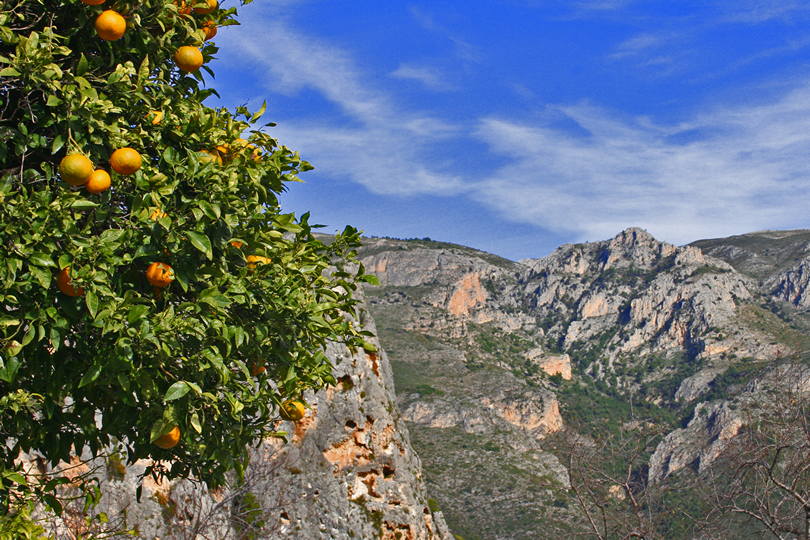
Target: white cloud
{"x":758,"y":11}
{"x":724,"y":171}
{"x":375,"y":142}
{"x":727,"y":171}
{"x":431,"y":78}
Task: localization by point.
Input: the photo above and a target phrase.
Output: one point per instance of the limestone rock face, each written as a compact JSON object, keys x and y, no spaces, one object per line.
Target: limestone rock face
{"x":792,"y":285}
{"x":482,"y":348}
{"x":697,"y":445}
{"x":348,"y":471}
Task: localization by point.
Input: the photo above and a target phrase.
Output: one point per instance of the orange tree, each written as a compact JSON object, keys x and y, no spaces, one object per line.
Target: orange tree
{"x":163,"y":302}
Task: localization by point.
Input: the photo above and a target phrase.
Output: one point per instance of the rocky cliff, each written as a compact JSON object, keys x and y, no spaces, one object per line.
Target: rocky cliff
{"x":347,"y":471}
{"x":492,"y":358}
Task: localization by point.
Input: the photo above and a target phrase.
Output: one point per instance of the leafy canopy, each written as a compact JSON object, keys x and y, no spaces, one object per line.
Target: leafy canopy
{"x":126,"y":362}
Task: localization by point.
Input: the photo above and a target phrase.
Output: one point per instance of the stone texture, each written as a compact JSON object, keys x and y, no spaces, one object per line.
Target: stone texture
{"x":348,"y":471}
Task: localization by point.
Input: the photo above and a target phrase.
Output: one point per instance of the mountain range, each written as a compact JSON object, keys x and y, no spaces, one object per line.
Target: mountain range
{"x":520,"y":399}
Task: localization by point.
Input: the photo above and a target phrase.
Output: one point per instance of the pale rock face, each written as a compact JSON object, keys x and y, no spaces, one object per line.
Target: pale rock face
{"x":698,"y":384}
{"x":697,"y":445}
{"x":597,"y":306}
{"x":349,"y":459}
{"x":537,"y":418}
{"x":793,"y":284}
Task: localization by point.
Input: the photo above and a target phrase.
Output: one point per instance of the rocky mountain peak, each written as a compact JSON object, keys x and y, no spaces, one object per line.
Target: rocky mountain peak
{"x":634,"y":247}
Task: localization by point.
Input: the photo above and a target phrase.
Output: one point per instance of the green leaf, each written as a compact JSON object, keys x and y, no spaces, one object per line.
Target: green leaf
{"x":92,"y":303}
{"x":195,"y":423}
{"x":41,"y":275}
{"x":209,"y":210}
{"x":136,"y":313}
{"x":9,"y":370}
{"x":90,"y":375}
{"x":143,"y":70}
{"x":58,"y":143}
{"x":176,"y":391}
{"x":258,"y":114}
{"x":15,"y":477}
{"x":214,"y":298}
{"x":82,"y":204}
{"x":9,"y":72}
{"x":29,"y":335}
{"x":202,"y":243}
{"x":41,"y":259}
{"x":82,"y":65}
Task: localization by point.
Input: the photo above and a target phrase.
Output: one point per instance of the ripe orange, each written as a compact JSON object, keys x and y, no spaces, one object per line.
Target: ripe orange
{"x":212,"y":5}
{"x":75,"y":169}
{"x":157,"y":214}
{"x":188,"y":58}
{"x":256,"y":154}
{"x":64,"y":284}
{"x":209,"y":28}
{"x":257,"y":369}
{"x":99,"y":181}
{"x":159,"y":274}
{"x":292,"y":409}
{"x":169,"y":440}
{"x":253,"y":260}
{"x":183,"y":8}
{"x":125,"y":160}
{"x":110,"y":25}
{"x":93,"y":2}
{"x":156,"y":117}
{"x":237,"y":244}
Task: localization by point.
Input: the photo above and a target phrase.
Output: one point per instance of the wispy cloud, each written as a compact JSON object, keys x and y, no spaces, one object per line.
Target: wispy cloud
{"x":465,"y":50}
{"x":728,"y":170}
{"x":430,"y":77}
{"x":722,"y":171}
{"x":639,"y":44}
{"x":375,"y":143}
{"x":759,"y":11}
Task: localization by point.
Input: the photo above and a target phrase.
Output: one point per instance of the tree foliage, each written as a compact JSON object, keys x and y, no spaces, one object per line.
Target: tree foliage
{"x":123,"y":361}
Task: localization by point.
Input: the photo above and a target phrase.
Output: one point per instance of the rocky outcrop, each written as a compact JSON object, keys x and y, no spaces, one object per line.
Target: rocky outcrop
{"x":792,"y":285}
{"x":348,"y":471}
{"x":697,"y":445}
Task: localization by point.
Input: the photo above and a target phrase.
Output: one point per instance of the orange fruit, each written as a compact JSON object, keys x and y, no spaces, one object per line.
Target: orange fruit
{"x":64,"y":284}
{"x":209,"y":28}
{"x":99,"y":181}
{"x":211,"y":6}
{"x":169,"y":440}
{"x":184,"y":9}
{"x":110,"y":25}
{"x":188,"y":58}
{"x":157,"y":214}
{"x":253,"y":260}
{"x":292,"y":409}
{"x":236,"y":243}
{"x":75,"y":169}
{"x":125,"y":160}
{"x":256,"y":154}
{"x":159,"y":274}
{"x":156,"y":117}
{"x":257,"y":369}
{"x":93,"y":2}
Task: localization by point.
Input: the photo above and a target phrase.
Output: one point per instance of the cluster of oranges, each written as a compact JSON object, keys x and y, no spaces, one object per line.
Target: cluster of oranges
{"x":111,"y":26}
{"x":78,"y":170}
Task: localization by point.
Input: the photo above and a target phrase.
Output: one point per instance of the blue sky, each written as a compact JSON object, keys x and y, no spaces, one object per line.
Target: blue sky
{"x":514,"y":126}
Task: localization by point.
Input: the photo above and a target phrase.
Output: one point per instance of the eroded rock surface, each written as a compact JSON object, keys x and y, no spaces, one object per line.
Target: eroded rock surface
{"x":348,"y":471}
